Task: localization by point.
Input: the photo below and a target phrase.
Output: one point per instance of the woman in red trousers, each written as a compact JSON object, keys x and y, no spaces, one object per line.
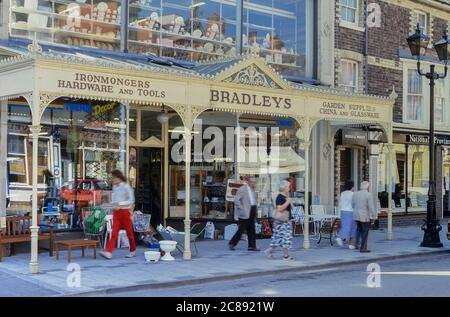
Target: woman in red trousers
{"x":123,"y":200}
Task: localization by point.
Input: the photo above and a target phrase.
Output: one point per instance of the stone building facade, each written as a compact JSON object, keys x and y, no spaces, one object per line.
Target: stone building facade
{"x":381,"y":62}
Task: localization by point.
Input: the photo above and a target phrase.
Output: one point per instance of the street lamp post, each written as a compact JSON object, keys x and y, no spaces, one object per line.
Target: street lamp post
{"x":418,"y":42}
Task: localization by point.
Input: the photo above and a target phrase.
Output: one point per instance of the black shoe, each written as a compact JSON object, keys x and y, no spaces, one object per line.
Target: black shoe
{"x":254,"y":249}
{"x":232,"y":247}
{"x":364,"y":251}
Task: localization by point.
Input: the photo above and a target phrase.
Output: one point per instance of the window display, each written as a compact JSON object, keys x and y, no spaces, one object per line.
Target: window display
{"x":410,"y":177}
{"x":278,"y":154}
{"x":92,"y":23}
{"x":80,"y":143}
{"x":280,"y":30}
{"x":189,"y":30}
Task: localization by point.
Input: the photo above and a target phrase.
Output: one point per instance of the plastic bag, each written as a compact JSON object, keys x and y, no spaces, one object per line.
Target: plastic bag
{"x":230,"y":230}
{"x":209,"y":230}
{"x":124,"y":242}
{"x":94,"y":223}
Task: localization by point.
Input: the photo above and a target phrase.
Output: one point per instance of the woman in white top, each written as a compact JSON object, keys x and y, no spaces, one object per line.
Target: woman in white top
{"x":348,"y":226}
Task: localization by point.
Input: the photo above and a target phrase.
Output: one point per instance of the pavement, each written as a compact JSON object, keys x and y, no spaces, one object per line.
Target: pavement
{"x":424,"y":276}
{"x":214,"y":263}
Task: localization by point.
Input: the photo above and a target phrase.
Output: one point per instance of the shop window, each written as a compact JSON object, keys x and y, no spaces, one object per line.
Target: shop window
{"x":281,"y":30}
{"x":133,"y":123}
{"x":215,"y":173}
{"x":418,"y":176}
{"x":19,"y":111}
{"x":414,"y":102}
{"x":43,"y":160}
{"x":150,"y":126}
{"x":80,"y":144}
{"x":17,"y":157}
{"x":349,"y":76}
{"x":349,"y":11}
{"x":93,"y":23}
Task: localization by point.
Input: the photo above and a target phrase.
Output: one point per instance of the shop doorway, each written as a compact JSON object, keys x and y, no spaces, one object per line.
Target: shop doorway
{"x":352,"y":165}
{"x":146,"y":177}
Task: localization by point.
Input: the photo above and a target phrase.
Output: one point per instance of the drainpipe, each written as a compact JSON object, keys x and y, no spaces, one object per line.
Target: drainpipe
{"x":124,"y":17}
{"x":239,"y":26}
{"x":366,"y":47}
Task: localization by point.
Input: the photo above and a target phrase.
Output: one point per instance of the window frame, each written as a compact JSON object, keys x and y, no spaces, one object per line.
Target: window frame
{"x":347,"y":7}
{"x":424,"y":122}
{"x":426,"y":27}
{"x":23,"y":156}
{"x":423,"y":119}
{"x":356,"y":75}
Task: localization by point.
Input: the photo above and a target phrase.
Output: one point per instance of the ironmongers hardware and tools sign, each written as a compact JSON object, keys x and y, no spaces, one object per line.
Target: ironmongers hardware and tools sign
{"x":119,"y":87}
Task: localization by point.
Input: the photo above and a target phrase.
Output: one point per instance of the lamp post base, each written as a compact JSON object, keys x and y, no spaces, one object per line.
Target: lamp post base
{"x":431,"y":237}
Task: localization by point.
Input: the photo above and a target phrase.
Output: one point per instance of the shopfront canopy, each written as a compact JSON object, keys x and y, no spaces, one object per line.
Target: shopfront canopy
{"x":244,"y":84}
{"x":281,"y":160}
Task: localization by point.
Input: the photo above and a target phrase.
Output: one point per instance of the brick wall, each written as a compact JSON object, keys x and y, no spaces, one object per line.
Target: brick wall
{"x":439,"y":26}
{"x":384,"y":41}
{"x":381,"y":80}
{"x":403,"y":220}
{"x":349,"y":39}
{"x":385,"y":69}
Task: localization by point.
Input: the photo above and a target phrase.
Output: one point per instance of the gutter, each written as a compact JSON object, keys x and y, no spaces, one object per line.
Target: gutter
{"x":436,"y":4}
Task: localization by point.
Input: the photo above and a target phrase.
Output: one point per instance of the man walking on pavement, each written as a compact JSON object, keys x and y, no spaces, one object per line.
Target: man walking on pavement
{"x":364,"y":213}
{"x":245,"y":206}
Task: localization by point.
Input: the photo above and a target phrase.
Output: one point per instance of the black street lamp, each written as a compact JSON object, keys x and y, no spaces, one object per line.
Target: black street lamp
{"x":418,"y":42}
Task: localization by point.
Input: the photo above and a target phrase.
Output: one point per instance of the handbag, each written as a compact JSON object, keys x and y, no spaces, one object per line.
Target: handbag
{"x":282,"y":216}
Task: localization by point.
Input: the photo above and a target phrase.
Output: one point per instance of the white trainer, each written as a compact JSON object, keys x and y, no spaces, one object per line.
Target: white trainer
{"x":351,"y":247}
{"x":131,"y":254}
{"x":339,"y":242}
{"x":106,"y":255}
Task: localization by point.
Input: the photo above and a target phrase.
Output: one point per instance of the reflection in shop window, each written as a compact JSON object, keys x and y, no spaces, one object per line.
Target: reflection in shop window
{"x":17,"y":165}
{"x":80,"y":143}
{"x":410,"y":177}
{"x":418,"y":179}
{"x":214,"y":181}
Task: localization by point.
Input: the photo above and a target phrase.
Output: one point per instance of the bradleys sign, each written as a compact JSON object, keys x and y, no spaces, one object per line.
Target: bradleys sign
{"x":249,"y":99}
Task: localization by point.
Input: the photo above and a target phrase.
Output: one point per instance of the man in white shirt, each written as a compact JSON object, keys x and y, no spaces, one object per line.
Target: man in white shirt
{"x":245,"y":207}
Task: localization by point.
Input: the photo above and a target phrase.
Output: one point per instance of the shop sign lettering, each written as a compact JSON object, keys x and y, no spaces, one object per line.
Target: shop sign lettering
{"x":424,"y":139}
{"x":226,"y":97}
{"x":349,"y":110}
{"x":99,"y":109}
{"x":111,"y":85}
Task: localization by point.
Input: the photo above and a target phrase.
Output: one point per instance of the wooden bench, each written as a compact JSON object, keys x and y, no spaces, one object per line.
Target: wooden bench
{"x":18,"y":230}
{"x":70,"y":244}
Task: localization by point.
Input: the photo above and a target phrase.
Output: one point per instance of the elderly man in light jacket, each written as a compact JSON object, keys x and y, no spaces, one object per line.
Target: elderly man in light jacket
{"x":245,"y":205}
{"x":364,"y":213}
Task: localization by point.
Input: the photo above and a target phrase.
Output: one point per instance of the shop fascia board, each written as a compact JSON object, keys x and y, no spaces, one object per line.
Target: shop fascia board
{"x":16,"y":82}
{"x":197,"y":87}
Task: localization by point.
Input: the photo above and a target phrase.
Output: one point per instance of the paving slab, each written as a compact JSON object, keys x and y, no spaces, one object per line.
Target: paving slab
{"x":213,"y":263}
